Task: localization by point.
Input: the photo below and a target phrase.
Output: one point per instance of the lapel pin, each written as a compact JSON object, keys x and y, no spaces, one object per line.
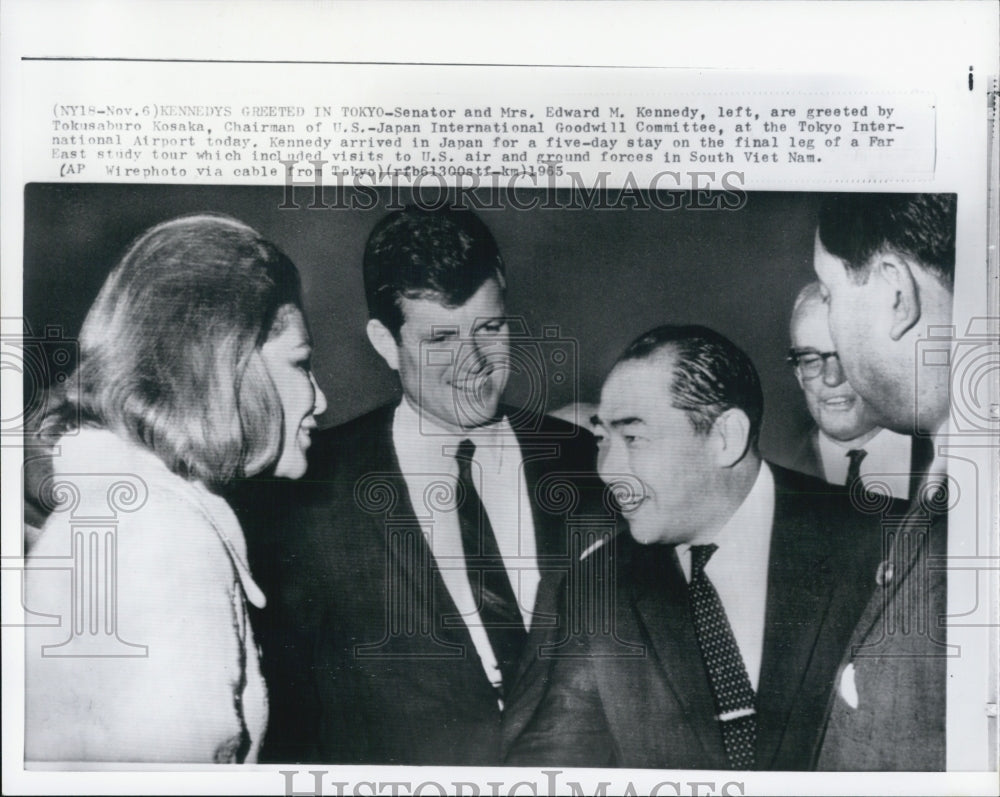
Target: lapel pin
{"x":848,"y":689}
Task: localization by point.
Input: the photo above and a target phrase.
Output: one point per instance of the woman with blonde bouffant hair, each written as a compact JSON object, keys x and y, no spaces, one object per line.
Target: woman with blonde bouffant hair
{"x":194,"y":371}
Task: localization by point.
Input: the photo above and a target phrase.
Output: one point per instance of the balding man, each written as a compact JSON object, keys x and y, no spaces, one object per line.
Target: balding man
{"x":846,"y":442}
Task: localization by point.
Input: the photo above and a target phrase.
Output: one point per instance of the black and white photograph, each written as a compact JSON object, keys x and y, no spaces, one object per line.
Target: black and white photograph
{"x":298,"y":395}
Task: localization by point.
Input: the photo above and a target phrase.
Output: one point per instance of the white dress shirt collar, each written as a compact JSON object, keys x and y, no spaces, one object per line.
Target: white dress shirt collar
{"x":887,"y":461}
{"x":419,"y":439}
{"x":739,"y":568}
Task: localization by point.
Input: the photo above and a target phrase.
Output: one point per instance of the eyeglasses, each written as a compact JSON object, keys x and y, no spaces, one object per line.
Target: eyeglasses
{"x":809,"y":362}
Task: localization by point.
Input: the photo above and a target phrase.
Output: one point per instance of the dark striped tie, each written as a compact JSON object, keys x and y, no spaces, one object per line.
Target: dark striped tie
{"x":735,"y":701}
{"x":487,"y":574}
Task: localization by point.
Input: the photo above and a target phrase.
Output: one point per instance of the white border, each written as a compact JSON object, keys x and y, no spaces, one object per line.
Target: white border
{"x":926,"y":44}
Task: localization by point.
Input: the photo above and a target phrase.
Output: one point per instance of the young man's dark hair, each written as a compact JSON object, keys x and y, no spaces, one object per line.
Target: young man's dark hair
{"x":442,"y":254}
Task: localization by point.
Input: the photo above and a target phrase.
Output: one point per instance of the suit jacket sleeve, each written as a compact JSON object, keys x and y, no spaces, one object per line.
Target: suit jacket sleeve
{"x":556,"y":716}
{"x":568,"y":728}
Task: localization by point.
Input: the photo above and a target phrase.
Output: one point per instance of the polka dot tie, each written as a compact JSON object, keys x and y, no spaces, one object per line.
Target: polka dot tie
{"x":734,"y":696}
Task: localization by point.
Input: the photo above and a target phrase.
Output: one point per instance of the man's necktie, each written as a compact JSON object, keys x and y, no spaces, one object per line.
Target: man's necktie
{"x":735,"y":701}
{"x":855,"y":455}
{"x":498,"y":610}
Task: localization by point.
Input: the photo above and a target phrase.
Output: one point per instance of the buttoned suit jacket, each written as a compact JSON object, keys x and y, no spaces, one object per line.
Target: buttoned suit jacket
{"x":367,"y":658}
{"x":639,"y":696}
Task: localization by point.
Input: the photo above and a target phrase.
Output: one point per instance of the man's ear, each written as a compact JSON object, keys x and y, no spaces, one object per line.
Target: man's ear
{"x":384,"y":343}
{"x":730,"y":437}
{"x":898,"y":275}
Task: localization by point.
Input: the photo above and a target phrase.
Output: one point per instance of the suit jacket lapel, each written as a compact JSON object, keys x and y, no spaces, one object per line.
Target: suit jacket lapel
{"x":549,"y":542}
{"x":546,"y":473}
{"x":659,"y":594}
{"x":799,"y":590}
{"x":412,"y":571}
{"x":916,"y":516}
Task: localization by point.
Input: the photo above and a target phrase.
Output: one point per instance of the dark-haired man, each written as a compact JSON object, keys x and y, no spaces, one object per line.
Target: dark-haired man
{"x":729,"y":606}
{"x":887,"y":264}
{"x":421,"y":550}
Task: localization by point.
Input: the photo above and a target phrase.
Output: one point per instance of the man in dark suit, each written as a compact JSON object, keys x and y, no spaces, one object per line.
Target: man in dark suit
{"x":846,"y":442}
{"x":426,"y":541}
{"x":730,"y":600}
{"x":887,"y":265}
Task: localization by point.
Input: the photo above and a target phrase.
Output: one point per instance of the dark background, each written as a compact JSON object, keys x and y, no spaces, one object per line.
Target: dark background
{"x":602,"y":276}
